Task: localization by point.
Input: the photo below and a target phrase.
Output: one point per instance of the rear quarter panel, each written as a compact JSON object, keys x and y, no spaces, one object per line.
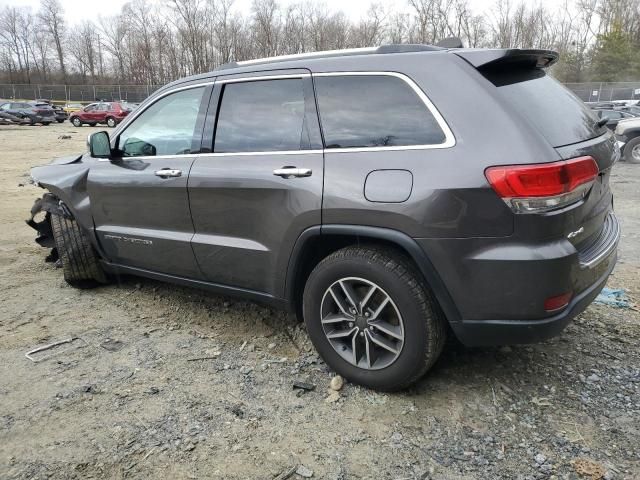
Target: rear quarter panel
{"x":450,"y":196}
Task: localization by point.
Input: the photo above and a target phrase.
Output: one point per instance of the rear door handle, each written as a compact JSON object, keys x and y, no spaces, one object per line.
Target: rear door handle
{"x":168,"y":172}
{"x":291,"y":172}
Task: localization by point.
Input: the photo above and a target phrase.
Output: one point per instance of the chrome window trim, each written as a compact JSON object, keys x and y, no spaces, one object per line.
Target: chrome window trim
{"x":219,"y":154}
{"x":449,"y":139}
{"x":449,"y":142}
{"x":282,"y":76}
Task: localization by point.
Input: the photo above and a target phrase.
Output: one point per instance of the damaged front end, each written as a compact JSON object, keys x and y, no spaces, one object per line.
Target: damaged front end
{"x":40,"y":220}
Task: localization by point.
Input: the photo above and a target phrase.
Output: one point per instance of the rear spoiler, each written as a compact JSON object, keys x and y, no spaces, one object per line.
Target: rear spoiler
{"x":505,"y":58}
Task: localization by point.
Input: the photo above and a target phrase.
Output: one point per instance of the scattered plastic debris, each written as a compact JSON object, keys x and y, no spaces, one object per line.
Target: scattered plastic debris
{"x":614,"y":297}
{"x":31,"y":353}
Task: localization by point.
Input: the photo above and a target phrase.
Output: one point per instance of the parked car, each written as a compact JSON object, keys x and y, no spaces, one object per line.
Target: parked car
{"x":628,"y":137}
{"x":73,"y":107}
{"x":632,"y":109}
{"x":359,"y":190}
{"x":612,"y":117}
{"x":58,"y":112}
{"x":109,"y":113}
{"x":27,"y":113}
{"x":7,"y":118}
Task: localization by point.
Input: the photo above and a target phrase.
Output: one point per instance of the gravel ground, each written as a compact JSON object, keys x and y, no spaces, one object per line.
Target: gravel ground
{"x":169,"y":382}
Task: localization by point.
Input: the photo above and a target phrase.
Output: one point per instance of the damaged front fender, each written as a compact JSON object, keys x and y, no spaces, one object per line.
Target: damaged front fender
{"x":66,"y":178}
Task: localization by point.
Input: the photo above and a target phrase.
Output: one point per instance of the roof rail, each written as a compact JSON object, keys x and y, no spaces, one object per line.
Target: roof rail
{"x":383,"y":49}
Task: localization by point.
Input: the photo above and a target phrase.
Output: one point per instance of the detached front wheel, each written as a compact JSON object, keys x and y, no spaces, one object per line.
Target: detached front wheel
{"x":79,"y":260}
{"x":371,"y":317}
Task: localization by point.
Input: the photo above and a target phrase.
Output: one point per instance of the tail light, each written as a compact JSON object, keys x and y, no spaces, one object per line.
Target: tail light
{"x":545,"y":186}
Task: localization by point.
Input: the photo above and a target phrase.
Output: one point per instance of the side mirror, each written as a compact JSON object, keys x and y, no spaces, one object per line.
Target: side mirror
{"x":99,"y":145}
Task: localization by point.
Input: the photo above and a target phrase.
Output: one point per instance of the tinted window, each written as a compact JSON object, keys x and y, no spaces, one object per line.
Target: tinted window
{"x":165,"y":128}
{"x":262,"y":116}
{"x":560,"y":116}
{"x":373,"y":111}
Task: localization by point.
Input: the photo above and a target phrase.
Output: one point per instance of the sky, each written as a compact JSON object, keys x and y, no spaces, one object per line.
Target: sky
{"x":78,"y":10}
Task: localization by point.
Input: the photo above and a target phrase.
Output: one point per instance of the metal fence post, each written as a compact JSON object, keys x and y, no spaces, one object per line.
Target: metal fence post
{"x":599,"y":91}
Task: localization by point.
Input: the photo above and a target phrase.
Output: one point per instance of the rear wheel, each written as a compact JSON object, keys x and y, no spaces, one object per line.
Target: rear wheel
{"x":46,"y":123}
{"x":79,"y":260}
{"x":632,"y":151}
{"x":370,"y":316}
{"x":76,"y":122}
{"x":60,"y":120}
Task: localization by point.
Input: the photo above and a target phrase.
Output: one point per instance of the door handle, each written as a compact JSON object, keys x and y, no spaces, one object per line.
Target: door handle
{"x":168,"y":172}
{"x":291,"y":172}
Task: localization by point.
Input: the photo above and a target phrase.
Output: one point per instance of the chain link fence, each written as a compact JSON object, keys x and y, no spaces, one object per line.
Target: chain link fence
{"x":77,"y":93}
{"x":588,"y":92}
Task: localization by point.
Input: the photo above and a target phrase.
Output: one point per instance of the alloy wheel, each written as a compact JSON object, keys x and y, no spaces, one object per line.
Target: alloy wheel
{"x":362,"y":323}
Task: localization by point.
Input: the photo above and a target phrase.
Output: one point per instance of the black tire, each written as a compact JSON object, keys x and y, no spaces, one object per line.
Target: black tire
{"x":111,"y":122}
{"x":76,"y":122}
{"x":79,"y":260}
{"x":46,"y":123}
{"x":628,"y":150}
{"x":60,"y":120}
{"x":424,"y":324}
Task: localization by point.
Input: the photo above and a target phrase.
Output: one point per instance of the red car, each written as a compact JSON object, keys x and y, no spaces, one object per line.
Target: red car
{"x":110,"y":113}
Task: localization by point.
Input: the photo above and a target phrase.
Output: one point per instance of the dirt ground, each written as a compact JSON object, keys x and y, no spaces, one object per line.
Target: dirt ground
{"x":170,"y":382}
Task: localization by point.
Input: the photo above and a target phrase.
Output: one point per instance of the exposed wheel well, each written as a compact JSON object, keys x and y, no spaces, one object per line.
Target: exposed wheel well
{"x":320,"y":246}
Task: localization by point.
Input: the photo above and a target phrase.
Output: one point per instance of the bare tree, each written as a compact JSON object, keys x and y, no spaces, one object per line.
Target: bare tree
{"x":52,"y":17}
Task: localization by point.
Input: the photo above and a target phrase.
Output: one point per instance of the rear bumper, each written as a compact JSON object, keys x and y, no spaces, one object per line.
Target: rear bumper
{"x":499,"y":286}
{"x":477,"y":333}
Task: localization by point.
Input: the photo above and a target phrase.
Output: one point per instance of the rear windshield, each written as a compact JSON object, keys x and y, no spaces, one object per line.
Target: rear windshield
{"x":560,"y":116}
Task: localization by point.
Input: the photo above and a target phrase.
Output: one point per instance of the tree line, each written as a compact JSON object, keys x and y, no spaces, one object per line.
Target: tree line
{"x":153,"y":42}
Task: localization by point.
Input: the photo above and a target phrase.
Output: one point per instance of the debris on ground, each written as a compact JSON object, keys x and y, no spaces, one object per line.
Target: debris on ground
{"x":31,"y":353}
{"x":333,"y":397}
{"x":112,"y":345}
{"x":589,"y":469}
{"x":64,"y":137}
{"x":336,"y":383}
{"x":613,"y":297}
{"x":305,"y":386}
{"x":304,"y":472}
{"x":287,"y":473}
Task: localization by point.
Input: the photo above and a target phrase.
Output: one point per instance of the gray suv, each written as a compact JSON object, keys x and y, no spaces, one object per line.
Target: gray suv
{"x":388,"y":195}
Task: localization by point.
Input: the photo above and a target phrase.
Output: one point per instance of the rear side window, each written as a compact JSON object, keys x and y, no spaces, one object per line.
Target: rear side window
{"x":262,"y":116}
{"x":560,"y":116}
{"x":373,"y":111}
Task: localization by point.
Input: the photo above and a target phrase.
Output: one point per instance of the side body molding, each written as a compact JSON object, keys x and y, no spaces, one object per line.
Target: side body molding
{"x":364,"y":233}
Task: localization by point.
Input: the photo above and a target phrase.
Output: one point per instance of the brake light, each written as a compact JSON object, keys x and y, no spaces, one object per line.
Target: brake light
{"x":545,"y":186}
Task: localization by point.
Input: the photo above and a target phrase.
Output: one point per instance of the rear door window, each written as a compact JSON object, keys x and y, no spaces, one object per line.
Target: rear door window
{"x":262,"y":116}
{"x":373,"y":111}
{"x":560,"y":116}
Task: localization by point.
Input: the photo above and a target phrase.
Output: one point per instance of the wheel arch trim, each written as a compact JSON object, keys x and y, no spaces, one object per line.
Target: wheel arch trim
{"x":395,"y":237}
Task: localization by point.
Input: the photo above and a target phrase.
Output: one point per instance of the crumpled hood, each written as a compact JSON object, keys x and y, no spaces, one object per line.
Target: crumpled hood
{"x":66,"y":160}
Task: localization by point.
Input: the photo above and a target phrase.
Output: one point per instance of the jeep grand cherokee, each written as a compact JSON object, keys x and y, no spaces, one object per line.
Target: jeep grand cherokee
{"x":388,"y":195}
